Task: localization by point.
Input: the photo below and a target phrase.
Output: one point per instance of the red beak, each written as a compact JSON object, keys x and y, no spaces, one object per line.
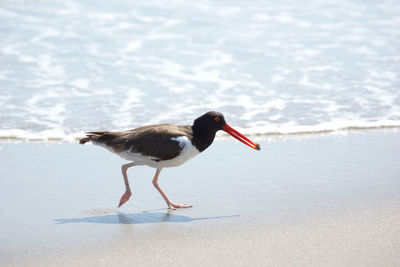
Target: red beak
{"x":240,"y":137}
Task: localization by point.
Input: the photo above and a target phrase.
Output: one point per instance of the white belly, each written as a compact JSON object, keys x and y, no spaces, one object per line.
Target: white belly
{"x":188,"y":151}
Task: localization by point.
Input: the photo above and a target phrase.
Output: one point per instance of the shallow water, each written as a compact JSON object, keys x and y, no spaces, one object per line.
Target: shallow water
{"x":272,"y":66}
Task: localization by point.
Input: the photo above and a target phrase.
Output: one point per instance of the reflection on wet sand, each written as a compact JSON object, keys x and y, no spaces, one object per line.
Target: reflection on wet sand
{"x":138,"y":218}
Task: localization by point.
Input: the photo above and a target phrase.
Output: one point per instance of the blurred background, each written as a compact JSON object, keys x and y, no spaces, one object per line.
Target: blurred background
{"x":269,"y":66}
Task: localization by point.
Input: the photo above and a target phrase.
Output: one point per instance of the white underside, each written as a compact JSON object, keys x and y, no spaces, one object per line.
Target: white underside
{"x":188,"y":152}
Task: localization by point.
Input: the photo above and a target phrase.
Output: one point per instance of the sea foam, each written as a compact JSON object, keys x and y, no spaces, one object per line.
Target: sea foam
{"x":278,"y":68}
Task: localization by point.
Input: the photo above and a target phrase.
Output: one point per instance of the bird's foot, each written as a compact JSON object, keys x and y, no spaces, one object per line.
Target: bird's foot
{"x":173,"y":206}
{"x":125,"y":197}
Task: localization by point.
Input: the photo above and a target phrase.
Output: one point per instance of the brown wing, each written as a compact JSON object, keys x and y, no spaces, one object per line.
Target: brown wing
{"x":153,"y":140}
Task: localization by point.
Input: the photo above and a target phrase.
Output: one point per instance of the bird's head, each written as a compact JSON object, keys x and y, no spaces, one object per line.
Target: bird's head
{"x":214,"y":121}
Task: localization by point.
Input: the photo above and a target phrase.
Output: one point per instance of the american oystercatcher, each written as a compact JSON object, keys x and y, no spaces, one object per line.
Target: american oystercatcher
{"x":163,"y":145}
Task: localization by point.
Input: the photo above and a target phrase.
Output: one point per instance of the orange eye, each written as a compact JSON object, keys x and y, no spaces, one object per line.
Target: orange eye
{"x":216,"y":119}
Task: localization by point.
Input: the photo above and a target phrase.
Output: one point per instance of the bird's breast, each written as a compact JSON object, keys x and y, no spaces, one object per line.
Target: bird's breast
{"x":188,"y":151}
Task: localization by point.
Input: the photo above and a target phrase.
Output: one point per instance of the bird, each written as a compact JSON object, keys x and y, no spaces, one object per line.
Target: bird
{"x":163,"y":145}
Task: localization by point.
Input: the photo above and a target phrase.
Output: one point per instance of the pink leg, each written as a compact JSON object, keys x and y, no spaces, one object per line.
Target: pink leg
{"x":125,"y":197}
{"x":170,"y":204}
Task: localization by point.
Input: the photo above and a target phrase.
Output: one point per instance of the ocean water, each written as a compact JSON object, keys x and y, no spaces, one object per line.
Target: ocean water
{"x":270,"y":66}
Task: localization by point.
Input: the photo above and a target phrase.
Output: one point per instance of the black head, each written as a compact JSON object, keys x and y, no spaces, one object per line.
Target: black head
{"x":212,"y":121}
{"x":206,"y":126}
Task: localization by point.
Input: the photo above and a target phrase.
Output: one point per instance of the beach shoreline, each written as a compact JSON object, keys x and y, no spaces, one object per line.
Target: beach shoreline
{"x":75,"y":137}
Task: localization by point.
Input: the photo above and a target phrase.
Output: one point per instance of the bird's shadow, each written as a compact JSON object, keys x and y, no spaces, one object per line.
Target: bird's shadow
{"x":144,"y":217}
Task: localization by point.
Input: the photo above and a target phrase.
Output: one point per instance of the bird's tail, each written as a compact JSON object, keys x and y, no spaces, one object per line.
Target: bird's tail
{"x":84,"y":140}
{"x":91,"y":136}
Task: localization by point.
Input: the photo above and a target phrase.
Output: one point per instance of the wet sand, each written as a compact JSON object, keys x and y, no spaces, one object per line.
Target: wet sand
{"x":326,"y":200}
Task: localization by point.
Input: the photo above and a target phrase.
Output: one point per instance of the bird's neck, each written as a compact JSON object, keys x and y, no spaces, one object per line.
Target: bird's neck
{"x":202,"y":137}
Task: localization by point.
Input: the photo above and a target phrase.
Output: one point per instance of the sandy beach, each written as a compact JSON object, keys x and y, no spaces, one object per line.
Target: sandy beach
{"x":316,"y":200}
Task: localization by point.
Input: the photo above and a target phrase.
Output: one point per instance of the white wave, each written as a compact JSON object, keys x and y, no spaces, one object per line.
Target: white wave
{"x":46,"y":135}
{"x":279,"y":67}
{"x":81,"y":83}
{"x":261,"y":130}
{"x":335,"y":126}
